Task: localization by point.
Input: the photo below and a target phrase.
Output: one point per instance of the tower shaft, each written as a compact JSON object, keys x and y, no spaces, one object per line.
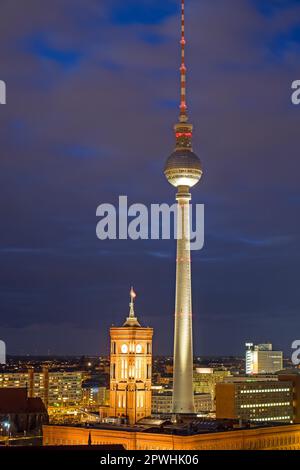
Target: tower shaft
{"x":183,"y":170}
{"x":183,"y":396}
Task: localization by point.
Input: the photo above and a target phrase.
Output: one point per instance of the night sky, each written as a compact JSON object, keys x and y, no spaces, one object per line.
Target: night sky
{"x":92,"y":96}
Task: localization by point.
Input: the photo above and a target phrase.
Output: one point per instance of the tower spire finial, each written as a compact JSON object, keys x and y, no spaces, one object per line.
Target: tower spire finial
{"x":131,"y":320}
{"x":131,"y":305}
{"x":183,"y":107}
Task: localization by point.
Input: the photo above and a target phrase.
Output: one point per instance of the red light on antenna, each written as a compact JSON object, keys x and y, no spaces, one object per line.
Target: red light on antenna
{"x":183,"y":134}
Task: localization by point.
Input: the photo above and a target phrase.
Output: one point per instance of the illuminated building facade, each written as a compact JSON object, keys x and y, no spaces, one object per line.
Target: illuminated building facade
{"x":55,"y":388}
{"x":293,"y":376}
{"x":261,"y":359}
{"x":162,"y":401}
{"x":285,"y":437}
{"x":65,"y":388}
{"x":205,"y":380}
{"x":183,"y":170}
{"x":94,"y":396}
{"x":130,"y":368}
{"x":256,"y":401}
{"x":14,"y":379}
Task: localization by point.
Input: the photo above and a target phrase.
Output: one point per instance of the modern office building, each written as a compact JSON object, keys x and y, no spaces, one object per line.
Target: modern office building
{"x":130,"y":368}
{"x":64,"y":388}
{"x":292,"y":376}
{"x":261,"y":359}
{"x":162,"y":401}
{"x":55,"y":387}
{"x":13,"y":379}
{"x":255,"y":401}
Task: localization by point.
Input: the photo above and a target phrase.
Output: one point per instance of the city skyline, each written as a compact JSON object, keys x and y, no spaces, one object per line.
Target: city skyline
{"x":90,"y":102}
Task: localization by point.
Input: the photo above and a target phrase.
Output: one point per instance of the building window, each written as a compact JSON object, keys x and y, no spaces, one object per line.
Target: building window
{"x":131,"y":372}
{"x":140,"y":400}
{"x":138,"y":369}
{"x":113,"y":371}
{"x":124,"y":366}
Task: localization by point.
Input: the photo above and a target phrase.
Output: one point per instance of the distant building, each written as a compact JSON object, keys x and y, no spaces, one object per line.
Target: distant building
{"x":293,"y":376}
{"x":2,"y":352}
{"x":162,"y":401}
{"x":18,"y":413}
{"x":169,"y":369}
{"x":261,"y":359}
{"x":205,"y":380}
{"x":14,"y":379}
{"x":94,"y":395}
{"x":255,"y":400}
{"x":65,"y":388}
{"x":164,"y":379}
{"x":55,"y":387}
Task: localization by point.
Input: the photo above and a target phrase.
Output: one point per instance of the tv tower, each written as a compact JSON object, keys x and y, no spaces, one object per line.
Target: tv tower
{"x":183,"y":170}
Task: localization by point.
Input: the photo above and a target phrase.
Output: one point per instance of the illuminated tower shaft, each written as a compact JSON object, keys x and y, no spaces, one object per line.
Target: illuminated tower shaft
{"x":183,"y":170}
{"x":183,"y":396}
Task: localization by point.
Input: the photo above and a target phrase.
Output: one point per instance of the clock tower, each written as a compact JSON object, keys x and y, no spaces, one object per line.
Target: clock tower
{"x":130,"y":368}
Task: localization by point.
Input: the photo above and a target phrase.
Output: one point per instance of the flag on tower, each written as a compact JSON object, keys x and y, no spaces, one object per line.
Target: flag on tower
{"x":132,"y":293}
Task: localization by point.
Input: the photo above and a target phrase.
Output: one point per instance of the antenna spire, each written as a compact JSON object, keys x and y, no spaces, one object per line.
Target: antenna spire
{"x":183,"y":107}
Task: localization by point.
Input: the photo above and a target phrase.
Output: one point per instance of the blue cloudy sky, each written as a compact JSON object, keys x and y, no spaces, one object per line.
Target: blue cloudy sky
{"x":92,"y":95}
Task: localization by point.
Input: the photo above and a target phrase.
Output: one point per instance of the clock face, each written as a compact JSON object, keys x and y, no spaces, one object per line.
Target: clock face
{"x":138,"y":348}
{"x":124,"y":348}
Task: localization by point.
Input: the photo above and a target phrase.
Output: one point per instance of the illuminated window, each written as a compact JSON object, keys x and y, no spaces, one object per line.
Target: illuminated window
{"x":113,"y":371}
{"x":124,"y":366}
{"x":138,"y":368}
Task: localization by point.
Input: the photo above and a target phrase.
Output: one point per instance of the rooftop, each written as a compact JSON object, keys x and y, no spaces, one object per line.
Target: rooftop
{"x":190,"y":425}
{"x":15,"y":400}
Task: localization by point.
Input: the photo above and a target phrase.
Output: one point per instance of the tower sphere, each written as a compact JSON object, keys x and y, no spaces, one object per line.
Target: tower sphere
{"x":183,"y":168}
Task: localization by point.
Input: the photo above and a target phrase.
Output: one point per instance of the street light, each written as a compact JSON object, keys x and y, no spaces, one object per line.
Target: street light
{"x":6,"y":425}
